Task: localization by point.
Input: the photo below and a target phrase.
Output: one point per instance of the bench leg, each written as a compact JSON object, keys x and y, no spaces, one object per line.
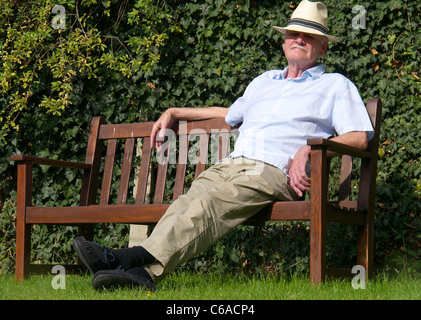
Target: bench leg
{"x":319,"y":183}
{"x":23,"y":230}
{"x":23,"y":250}
{"x":365,"y":248}
{"x":317,"y":252}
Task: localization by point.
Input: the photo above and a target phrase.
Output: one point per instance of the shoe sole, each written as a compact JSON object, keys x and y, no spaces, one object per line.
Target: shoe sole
{"x":81,"y":256}
{"x":107,"y":281}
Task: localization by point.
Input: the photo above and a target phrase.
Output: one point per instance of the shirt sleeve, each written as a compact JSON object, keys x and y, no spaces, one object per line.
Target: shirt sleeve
{"x":238,"y":108}
{"x":350,"y":113}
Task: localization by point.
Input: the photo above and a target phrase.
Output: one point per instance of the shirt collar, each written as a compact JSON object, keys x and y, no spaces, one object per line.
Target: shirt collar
{"x":312,"y":73}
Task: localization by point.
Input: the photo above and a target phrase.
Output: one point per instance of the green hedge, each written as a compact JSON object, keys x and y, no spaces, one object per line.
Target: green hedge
{"x":214,"y":50}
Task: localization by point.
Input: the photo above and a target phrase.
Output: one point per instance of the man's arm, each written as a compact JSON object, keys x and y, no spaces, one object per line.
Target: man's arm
{"x":299,"y":181}
{"x":356,"y":139}
{"x":167,"y":119}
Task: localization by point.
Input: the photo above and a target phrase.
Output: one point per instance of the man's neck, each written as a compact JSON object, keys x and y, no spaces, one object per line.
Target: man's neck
{"x":296,"y":70}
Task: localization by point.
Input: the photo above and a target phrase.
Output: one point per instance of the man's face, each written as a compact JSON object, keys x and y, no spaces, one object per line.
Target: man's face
{"x":303,"y":48}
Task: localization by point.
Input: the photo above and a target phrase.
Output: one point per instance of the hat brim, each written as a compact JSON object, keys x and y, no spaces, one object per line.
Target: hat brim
{"x":305,"y":30}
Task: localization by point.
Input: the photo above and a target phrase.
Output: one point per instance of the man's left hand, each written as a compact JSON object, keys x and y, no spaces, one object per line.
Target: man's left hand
{"x":299,"y":181}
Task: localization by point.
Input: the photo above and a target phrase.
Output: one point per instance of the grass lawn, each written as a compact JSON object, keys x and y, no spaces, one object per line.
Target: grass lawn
{"x":187,"y":285}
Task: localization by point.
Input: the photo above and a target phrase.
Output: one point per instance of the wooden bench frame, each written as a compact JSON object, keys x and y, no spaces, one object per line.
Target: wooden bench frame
{"x":318,"y":210}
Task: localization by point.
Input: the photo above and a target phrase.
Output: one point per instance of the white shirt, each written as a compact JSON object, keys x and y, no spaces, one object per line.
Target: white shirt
{"x":278,"y":115}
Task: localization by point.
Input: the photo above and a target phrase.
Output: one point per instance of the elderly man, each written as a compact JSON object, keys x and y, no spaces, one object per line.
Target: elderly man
{"x":278,"y":112}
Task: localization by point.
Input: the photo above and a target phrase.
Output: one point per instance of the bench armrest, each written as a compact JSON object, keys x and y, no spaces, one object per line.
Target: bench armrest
{"x":50,"y":162}
{"x":338,"y":148}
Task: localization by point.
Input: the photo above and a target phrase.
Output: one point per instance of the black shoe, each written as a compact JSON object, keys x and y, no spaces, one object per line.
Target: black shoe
{"x":94,"y":256}
{"x":112,"y":279}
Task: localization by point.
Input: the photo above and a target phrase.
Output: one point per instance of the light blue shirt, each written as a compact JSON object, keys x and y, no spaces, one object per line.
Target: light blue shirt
{"x":278,"y":115}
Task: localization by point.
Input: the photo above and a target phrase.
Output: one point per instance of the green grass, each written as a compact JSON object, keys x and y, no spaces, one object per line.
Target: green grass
{"x":185,"y":285}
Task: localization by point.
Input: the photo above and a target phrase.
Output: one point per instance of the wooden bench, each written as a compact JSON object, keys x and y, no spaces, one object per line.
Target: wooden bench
{"x":214,"y":139}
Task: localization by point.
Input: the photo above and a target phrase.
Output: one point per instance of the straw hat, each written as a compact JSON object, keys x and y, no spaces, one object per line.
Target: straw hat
{"x":309,"y":17}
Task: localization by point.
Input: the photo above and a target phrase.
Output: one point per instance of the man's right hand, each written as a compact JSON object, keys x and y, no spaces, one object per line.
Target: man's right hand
{"x":165,"y":121}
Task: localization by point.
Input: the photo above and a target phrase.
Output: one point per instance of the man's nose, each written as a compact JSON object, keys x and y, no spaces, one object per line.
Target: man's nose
{"x":300,"y":39}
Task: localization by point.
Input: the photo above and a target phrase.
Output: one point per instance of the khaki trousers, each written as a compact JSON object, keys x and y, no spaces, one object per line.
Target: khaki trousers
{"x":221,"y":198}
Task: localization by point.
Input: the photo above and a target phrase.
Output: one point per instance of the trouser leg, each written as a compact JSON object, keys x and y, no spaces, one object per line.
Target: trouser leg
{"x":222,"y":197}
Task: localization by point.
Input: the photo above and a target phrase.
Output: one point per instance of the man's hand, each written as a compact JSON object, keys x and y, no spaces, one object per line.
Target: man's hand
{"x":299,"y":181}
{"x":165,"y":121}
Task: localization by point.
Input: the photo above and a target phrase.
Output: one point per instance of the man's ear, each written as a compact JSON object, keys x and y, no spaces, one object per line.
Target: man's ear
{"x":324,"y":47}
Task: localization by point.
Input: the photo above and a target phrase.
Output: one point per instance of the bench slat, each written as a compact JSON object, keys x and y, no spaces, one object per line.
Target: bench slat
{"x":108,"y":171}
{"x":141,"y":130}
{"x":180,"y":174}
{"x":202,"y":155}
{"x":224,"y":140}
{"x":125,"y":171}
{"x":125,"y":130}
{"x":161,"y":178}
{"x":144,"y":171}
{"x":146,"y":213}
{"x":345,"y":180}
{"x":123,"y":213}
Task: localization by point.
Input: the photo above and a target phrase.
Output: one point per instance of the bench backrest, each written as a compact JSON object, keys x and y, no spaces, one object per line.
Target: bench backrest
{"x":184,"y":153}
{"x":191,"y":146}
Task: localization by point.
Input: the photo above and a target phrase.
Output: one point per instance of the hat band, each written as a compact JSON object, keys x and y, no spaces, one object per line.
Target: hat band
{"x":310,"y":24}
